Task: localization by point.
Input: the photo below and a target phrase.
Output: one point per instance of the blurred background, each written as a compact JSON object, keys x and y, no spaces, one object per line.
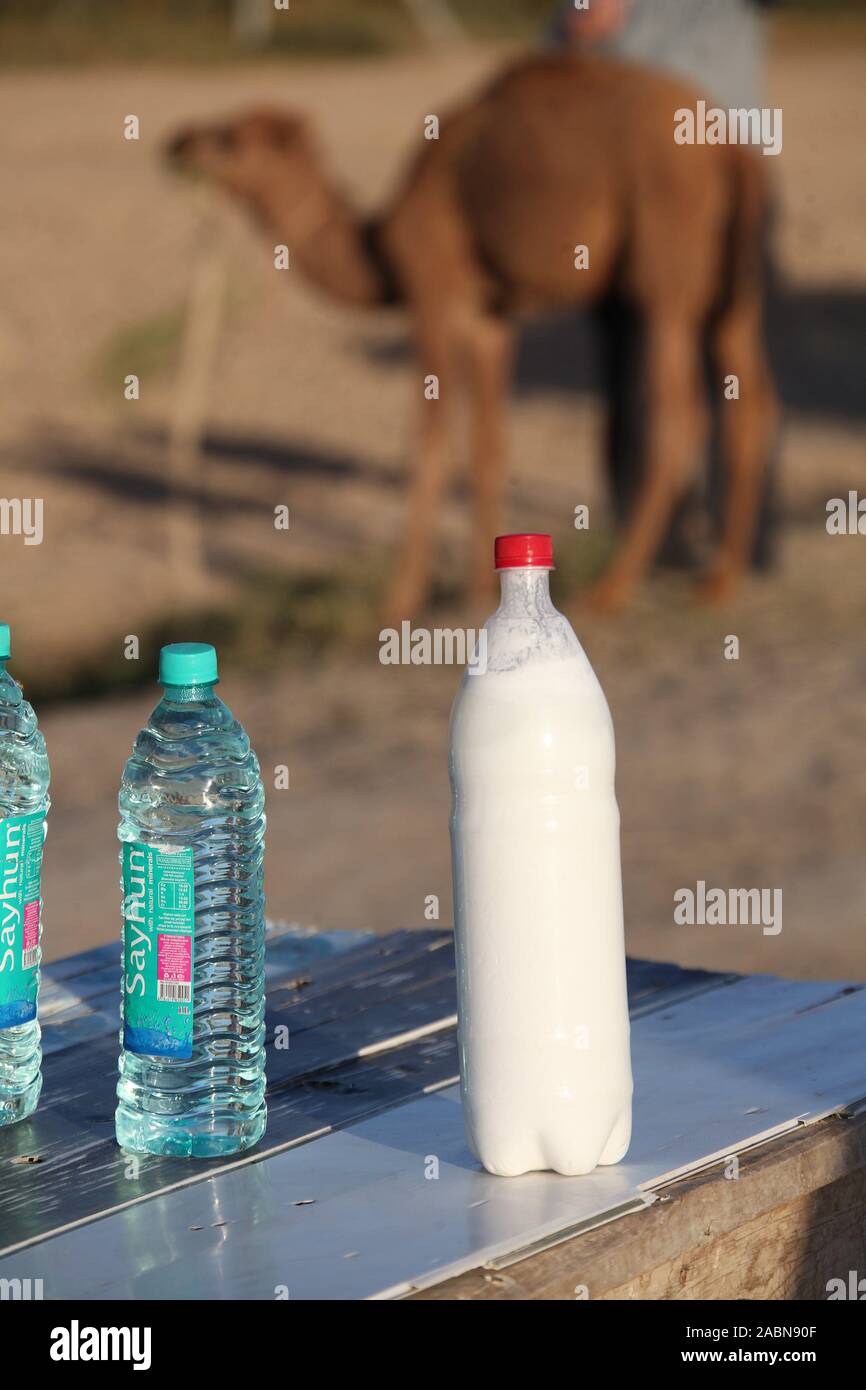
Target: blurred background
{"x":747,"y":773}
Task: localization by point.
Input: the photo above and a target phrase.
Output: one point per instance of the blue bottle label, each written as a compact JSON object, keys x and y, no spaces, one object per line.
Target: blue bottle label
{"x":158,"y":950}
{"x":21,"y":841}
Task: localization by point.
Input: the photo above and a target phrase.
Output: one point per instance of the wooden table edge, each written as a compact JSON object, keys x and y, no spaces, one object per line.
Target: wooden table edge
{"x":793,"y":1220}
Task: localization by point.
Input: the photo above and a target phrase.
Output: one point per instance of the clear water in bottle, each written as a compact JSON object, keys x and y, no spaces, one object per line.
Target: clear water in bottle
{"x":192,"y":826}
{"x":24,"y":802}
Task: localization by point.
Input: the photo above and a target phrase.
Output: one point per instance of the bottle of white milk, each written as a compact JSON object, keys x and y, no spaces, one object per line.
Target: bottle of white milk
{"x":544,"y":1033}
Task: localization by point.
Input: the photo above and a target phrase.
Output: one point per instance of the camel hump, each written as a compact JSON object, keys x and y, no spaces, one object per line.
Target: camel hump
{"x":591,"y":75}
{"x":543,"y":99}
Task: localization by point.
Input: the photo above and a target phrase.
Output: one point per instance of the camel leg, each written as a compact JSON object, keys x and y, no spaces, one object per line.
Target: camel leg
{"x":747,"y":429}
{"x":410,"y":585}
{"x":489,"y":344}
{"x":675,"y":433}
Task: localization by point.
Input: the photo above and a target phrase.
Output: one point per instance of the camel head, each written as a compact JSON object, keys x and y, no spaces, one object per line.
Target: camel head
{"x":250,"y":154}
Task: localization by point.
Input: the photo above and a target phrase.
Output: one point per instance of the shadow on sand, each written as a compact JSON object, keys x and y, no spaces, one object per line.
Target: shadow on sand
{"x":817,"y":342}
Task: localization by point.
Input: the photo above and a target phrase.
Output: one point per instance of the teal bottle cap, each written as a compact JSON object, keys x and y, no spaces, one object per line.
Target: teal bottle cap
{"x":188,"y":663}
{"x":5,"y":641}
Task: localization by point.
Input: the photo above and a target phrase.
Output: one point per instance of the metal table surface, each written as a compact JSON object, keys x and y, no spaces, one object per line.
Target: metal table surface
{"x":363,"y":1186}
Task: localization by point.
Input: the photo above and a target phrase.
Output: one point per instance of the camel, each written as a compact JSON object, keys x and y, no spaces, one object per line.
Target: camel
{"x":557,"y":152}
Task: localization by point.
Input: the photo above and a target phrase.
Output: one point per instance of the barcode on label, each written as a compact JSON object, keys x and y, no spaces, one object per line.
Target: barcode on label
{"x":29,"y":958}
{"x":174,"y":991}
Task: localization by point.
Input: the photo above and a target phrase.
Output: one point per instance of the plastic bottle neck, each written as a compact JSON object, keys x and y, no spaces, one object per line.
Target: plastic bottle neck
{"x":10,"y":690}
{"x":189,"y":694}
{"x":525,"y":593}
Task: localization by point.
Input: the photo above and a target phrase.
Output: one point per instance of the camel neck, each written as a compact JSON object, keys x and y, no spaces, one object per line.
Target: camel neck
{"x":329,"y":242}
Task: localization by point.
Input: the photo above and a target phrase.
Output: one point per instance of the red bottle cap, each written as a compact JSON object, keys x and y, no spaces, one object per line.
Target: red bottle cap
{"x":518,"y":552}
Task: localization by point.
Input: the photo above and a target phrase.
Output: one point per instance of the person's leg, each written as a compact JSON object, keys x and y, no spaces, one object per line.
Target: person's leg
{"x":619,"y":334}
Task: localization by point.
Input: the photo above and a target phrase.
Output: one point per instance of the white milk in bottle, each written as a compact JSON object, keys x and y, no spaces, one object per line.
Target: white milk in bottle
{"x":545,"y":1071}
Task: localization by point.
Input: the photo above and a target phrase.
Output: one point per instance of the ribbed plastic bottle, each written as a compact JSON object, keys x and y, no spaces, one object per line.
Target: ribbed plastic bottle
{"x":545,"y":1069}
{"x":24,"y":803}
{"x":192,"y":826}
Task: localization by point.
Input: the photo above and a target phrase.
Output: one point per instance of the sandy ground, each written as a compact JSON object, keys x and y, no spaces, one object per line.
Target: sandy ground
{"x":744,"y":774}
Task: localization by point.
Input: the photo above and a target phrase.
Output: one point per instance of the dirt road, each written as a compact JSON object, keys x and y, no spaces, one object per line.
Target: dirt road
{"x":746,"y":773}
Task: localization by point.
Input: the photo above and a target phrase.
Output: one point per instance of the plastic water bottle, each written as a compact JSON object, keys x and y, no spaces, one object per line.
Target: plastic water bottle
{"x":544,"y":1032}
{"x":192,"y":825}
{"x":24,"y":802}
